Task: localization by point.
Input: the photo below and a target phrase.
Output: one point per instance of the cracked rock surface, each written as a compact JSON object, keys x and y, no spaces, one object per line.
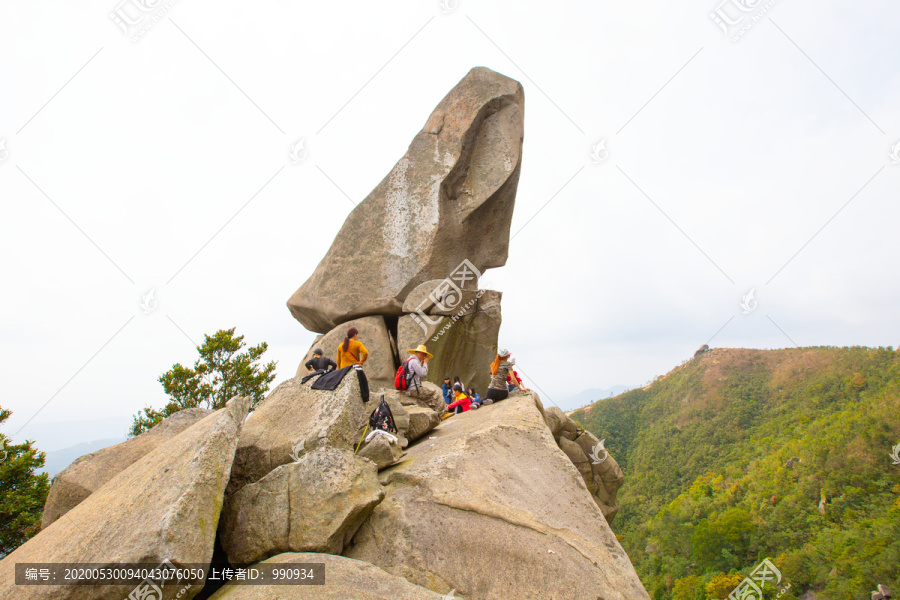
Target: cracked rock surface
{"x":488,"y":505}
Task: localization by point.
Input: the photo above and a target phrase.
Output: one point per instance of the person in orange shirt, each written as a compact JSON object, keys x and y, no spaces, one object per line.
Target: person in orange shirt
{"x":351,"y":351}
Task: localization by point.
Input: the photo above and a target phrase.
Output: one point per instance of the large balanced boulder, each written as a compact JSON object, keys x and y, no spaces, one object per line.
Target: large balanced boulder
{"x":380,"y":367}
{"x":88,"y":473}
{"x":295,"y":419}
{"x":163,"y":507}
{"x":490,"y":507}
{"x":313,"y":505}
{"x":456,"y":182}
{"x":345,"y":579}
{"x":463,"y":346}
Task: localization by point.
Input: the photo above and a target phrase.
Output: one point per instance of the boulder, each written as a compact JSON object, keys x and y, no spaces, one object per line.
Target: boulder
{"x":493,"y":484}
{"x":313,"y":505}
{"x":380,"y":367}
{"x":429,"y":396}
{"x":437,"y":297}
{"x":421,"y":421}
{"x":581,"y":461}
{"x":555,"y":419}
{"x":88,"y":473}
{"x":345,"y":579}
{"x":381,"y":451}
{"x":457,"y":181}
{"x":463,"y":346}
{"x":295,"y":419}
{"x":163,"y":507}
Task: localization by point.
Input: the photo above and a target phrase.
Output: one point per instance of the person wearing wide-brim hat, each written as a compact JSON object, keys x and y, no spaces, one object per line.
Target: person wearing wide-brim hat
{"x":418,"y":366}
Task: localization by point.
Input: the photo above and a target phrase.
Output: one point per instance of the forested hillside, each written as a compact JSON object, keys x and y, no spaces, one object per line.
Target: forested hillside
{"x":739,"y":455}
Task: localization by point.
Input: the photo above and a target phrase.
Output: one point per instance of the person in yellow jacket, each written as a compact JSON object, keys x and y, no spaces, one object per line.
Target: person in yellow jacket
{"x":351,"y":351}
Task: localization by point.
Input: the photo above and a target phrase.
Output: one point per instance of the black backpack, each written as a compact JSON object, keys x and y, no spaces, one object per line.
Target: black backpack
{"x":382,"y":418}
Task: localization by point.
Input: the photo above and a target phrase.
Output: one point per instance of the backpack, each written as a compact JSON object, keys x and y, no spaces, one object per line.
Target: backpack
{"x":404,"y":376}
{"x":382,"y":418}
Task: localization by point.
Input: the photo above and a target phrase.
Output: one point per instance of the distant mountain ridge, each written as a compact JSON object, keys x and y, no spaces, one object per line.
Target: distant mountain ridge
{"x":57,"y":460}
{"x":739,"y":455}
{"x":586,"y":397}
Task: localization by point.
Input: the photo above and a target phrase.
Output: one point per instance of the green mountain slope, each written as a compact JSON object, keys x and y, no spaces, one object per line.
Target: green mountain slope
{"x":713,"y":484}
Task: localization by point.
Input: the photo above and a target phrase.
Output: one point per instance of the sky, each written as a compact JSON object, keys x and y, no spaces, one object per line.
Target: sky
{"x":670,"y":169}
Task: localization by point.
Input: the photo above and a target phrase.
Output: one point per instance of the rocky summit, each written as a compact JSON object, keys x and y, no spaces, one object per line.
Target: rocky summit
{"x":512,"y":500}
{"x":456,"y":182}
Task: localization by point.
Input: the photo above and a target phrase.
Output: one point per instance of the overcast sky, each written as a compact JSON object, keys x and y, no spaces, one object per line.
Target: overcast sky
{"x":159,"y":160}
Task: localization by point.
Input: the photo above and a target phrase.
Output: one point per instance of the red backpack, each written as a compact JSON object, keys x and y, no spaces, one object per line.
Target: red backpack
{"x":403,"y":376}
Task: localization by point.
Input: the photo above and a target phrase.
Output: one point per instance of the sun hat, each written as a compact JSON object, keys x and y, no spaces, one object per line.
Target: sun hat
{"x":502,"y":352}
{"x":421,"y":349}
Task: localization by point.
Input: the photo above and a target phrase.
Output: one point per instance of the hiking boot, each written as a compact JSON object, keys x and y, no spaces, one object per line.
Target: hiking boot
{"x":488,"y":402}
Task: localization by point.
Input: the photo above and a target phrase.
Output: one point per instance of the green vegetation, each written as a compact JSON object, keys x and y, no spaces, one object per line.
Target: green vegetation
{"x":22,"y":492}
{"x":218,"y":375}
{"x":712,"y":486}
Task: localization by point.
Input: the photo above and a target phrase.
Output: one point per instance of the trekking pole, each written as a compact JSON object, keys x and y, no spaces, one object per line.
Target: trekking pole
{"x":365,"y":431}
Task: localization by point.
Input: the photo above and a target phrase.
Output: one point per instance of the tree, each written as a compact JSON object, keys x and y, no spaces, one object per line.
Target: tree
{"x":220,"y":373}
{"x":22,"y":491}
{"x":722,"y":584}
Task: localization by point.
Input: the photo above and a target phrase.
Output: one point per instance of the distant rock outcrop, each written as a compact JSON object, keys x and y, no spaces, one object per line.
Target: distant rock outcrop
{"x":87,"y":474}
{"x":456,"y":182}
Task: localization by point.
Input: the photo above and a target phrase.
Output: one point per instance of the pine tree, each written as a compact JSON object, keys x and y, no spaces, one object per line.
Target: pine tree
{"x":22,"y":491}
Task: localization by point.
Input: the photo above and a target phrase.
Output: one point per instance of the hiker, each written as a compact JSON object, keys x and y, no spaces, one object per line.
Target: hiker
{"x":474,"y":397}
{"x":447,"y":389}
{"x":501,"y":368}
{"x":351,"y":351}
{"x":509,"y":380}
{"x":320,"y":362}
{"x":456,"y":381}
{"x":418,"y":366}
{"x":461,"y":403}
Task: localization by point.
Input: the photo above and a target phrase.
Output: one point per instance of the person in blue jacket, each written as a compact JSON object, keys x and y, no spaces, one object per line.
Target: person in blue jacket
{"x":447,"y":388}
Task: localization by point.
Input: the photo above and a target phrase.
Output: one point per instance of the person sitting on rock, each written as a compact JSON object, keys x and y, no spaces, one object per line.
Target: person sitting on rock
{"x":501,"y":368}
{"x":447,"y":388}
{"x":461,"y":402}
{"x":418,"y":366}
{"x":351,"y":351}
{"x":320,"y":362}
{"x":509,"y":380}
{"x":475,"y":397}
